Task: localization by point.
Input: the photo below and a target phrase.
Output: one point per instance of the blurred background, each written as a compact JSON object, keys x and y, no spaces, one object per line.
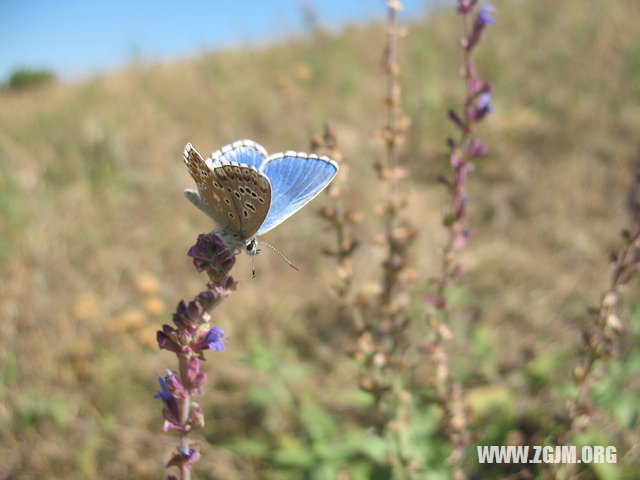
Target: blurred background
{"x":97,"y":102}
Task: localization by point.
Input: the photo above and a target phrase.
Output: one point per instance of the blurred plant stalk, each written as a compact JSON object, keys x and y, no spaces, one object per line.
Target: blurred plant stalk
{"x":601,"y":341}
{"x":342,"y":219}
{"x":398,"y":236}
{"x":190,"y":337}
{"x":463,"y":152}
{"x":381,"y":323}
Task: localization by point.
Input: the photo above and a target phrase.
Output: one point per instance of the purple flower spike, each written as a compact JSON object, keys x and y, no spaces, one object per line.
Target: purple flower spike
{"x":463,"y":153}
{"x":190,"y":336}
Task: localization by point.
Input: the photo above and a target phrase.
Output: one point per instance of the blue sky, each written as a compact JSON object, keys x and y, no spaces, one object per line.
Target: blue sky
{"x":79,"y":37}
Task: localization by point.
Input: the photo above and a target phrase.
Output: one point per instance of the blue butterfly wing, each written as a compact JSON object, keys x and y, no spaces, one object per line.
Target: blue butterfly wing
{"x":243,"y":151}
{"x":296,"y":178}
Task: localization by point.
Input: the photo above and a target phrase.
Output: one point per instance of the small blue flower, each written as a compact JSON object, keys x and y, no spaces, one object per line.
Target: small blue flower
{"x":163,"y":394}
{"x":484,"y":15}
{"x":186,"y":452}
{"x":184,"y":456}
{"x":483,"y":103}
{"x":214,"y":339}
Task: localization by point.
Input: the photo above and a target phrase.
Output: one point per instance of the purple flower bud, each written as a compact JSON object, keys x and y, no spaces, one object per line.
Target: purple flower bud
{"x":465,"y":6}
{"x":172,"y":423}
{"x":486,"y":88}
{"x":166,"y":339}
{"x":211,"y":253}
{"x":453,"y":116}
{"x":459,"y":241}
{"x":190,"y":318}
{"x":174,"y":384}
{"x":186,"y":316}
{"x":444,"y":180}
{"x":206,"y":299}
{"x":196,"y":418}
{"x":461,"y":174}
{"x":431,"y":299}
{"x":171,"y":410}
{"x":195,"y":378}
{"x":478,"y":149}
{"x":475,"y":86}
{"x":210,"y":298}
{"x":229,"y":284}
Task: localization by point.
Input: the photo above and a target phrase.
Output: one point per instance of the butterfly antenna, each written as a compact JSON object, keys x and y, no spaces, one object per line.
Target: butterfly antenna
{"x":279,"y":253}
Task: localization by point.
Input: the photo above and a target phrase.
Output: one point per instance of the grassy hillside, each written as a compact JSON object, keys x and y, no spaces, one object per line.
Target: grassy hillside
{"x":94,"y":230}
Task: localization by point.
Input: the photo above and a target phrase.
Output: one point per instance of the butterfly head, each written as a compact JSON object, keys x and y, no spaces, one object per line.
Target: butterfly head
{"x":251,"y":246}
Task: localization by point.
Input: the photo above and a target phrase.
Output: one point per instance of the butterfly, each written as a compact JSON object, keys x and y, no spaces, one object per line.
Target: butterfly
{"x":247,"y":192}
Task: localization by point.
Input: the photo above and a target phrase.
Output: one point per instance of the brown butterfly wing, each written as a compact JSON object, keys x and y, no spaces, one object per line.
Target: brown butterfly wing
{"x":213,"y":198}
{"x":247,"y":196}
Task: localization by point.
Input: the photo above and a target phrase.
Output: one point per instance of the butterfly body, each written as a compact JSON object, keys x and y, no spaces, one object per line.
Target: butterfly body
{"x":248,"y":193}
